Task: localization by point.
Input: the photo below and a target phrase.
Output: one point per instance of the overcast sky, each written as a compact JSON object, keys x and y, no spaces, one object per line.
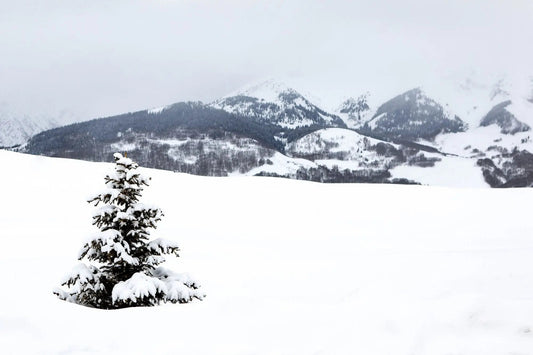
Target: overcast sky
{"x":102,"y":57}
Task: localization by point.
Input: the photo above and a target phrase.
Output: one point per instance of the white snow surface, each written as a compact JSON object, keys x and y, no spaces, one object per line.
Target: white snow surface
{"x":451,"y":171}
{"x":137,"y":287}
{"x":289,"y":267}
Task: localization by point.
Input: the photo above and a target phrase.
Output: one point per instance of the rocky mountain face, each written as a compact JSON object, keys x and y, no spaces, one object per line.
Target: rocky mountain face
{"x":412,"y":115}
{"x":356,"y":109}
{"x":276,"y":104}
{"x":272,"y":130}
{"x":504,"y":119}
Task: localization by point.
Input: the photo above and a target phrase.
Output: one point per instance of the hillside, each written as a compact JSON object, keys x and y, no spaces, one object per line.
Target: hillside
{"x":412,"y":115}
{"x":370,"y":269}
{"x":189,"y":137}
{"x":15,"y":130}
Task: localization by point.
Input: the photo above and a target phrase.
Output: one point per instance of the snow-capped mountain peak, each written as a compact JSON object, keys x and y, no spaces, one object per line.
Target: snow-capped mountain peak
{"x":269,"y":90}
{"x":274,"y":102}
{"x":413,"y":115}
{"x":355,"y":110}
{"x":16,"y":128}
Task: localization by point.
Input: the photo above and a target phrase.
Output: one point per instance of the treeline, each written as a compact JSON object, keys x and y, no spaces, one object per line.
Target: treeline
{"x":508,"y":169}
{"x":336,"y":175}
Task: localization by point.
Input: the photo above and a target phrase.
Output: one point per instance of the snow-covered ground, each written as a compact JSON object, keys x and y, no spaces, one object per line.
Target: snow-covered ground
{"x":450,"y":171}
{"x":281,"y":164}
{"x":481,"y":138}
{"x":289,"y":267}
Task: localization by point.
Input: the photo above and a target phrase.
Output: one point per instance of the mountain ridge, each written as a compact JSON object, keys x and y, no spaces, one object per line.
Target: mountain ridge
{"x":272,"y":129}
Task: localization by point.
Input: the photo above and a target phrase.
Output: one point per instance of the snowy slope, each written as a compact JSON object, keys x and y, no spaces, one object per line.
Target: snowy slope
{"x":450,"y":171}
{"x":281,"y":165}
{"x":472,"y":96}
{"x":347,"y":149}
{"x":341,"y":269}
{"x":475,"y":99}
{"x":499,"y":111}
{"x":481,"y":138}
{"x":335,"y":145}
{"x":336,"y":139}
{"x":16,"y":129}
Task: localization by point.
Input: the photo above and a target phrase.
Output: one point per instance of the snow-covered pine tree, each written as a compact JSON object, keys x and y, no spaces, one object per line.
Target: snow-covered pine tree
{"x":126,"y":269}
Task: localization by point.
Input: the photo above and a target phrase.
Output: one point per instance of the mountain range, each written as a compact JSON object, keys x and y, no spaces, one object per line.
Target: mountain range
{"x":466,"y":134}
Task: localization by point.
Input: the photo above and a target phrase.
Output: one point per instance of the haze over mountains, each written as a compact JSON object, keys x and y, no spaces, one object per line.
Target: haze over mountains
{"x":271,"y":128}
{"x":17,"y":126}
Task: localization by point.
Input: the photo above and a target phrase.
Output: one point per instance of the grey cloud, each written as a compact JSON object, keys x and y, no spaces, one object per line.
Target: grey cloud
{"x":97,"y":58}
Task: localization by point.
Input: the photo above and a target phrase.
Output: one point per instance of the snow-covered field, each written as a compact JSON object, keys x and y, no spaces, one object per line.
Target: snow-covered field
{"x":450,"y":171}
{"x":289,"y":267}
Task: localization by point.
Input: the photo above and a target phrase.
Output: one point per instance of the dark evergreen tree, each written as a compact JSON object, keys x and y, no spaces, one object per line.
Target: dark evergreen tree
{"x":126,"y":269}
